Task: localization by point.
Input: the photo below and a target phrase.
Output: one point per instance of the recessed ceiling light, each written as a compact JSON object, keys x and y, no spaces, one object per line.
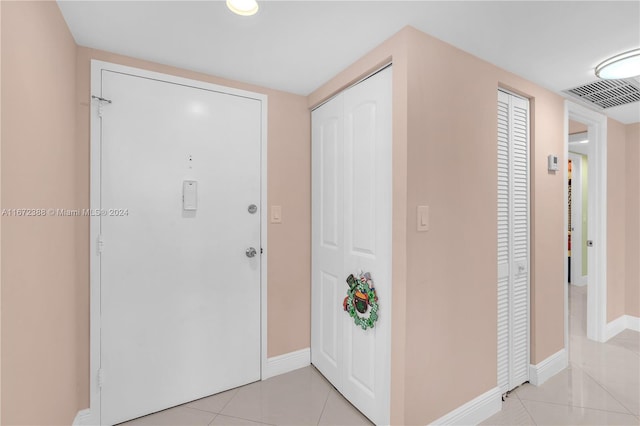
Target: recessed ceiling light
{"x":243,"y":7}
{"x":624,"y":65}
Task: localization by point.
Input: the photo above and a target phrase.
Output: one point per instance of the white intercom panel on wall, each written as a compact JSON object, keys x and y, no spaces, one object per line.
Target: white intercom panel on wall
{"x":553,"y":163}
{"x":190,"y":195}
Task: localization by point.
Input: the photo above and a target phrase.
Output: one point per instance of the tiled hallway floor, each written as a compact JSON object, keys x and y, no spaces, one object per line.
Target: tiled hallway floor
{"x":600,"y":387}
{"x":301,"y":397}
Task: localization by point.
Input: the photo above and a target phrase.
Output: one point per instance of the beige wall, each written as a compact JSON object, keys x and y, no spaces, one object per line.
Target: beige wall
{"x":289,"y":182}
{"x":444,"y":342}
{"x":451,"y":285}
{"x":576,"y":127}
{"x":632,"y":289}
{"x":39,"y":265}
{"x":616,"y":218}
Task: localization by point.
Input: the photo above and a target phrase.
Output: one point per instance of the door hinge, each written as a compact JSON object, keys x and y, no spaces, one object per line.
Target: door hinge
{"x":101,"y":102}
{"x":100,"y":378}
{"x":100,"y":244}
{"x":261,"y":251}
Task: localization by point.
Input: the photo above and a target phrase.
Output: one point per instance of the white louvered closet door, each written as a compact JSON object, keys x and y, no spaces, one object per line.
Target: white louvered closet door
{"x":513,"y":241}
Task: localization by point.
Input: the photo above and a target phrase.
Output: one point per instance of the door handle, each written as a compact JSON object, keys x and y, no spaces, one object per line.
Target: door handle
{"x":250,"y":252}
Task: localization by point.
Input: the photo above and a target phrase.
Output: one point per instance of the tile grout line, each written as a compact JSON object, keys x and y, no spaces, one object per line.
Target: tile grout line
{"x":607,"y":391}
{"x":586,"y":408}
{"x":526,"y":410}
{"x":247,"y":420}
{"x":324,"y":406}
{"x":237,"y":390}
{"x":214,"y":417}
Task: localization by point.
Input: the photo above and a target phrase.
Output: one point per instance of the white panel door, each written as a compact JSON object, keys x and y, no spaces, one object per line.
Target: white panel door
{"x":513,"y":241}
{"x":351,"y":232}
{"x":327,"y":236}
{"x":180,"y":300}
{"x":367,"y":239}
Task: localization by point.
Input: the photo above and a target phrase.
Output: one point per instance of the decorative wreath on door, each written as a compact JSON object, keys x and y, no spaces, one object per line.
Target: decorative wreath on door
{"x":361,"y":302}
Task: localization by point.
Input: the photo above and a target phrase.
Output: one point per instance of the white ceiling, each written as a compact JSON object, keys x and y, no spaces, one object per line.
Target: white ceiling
{"x":296,"y":46}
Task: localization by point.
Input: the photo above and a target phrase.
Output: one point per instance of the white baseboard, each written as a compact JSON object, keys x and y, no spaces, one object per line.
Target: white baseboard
{"x":543,"y":371}
{"x":633,"y":323}
{"x":621,"y":323}
{"x":475,"y":411}
{"x":287,"y":362}
{"x":83,"y":418}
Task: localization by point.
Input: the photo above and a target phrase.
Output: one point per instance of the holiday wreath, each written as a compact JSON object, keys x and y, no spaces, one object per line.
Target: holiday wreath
{"x":361,"y":302}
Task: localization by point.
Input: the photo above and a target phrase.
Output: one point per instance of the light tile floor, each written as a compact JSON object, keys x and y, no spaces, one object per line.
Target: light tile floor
{"x":301,"y":397}
{"x":600,"y":387}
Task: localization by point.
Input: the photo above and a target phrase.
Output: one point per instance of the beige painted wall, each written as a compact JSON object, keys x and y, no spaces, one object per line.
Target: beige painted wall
{"x":616,"y":218}
{"x":39,"y":265}
{"x":451,"y":285}
{"x":289,"y":182}
{"x":444,"y":342}
{"x":577,"y":127}
{"x":632,"y":289}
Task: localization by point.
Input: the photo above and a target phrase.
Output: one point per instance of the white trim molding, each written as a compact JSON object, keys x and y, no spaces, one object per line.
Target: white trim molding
{"x":475,"y":411}
{"x":543,"y":371}
{"x":287,"y":362}
{"x":620,"y":324}
{"x":597,"y":228}
{"x":83,"y":418}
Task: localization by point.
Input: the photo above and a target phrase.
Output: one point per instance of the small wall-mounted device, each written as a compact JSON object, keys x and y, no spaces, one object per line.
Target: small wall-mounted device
{"x":554,"y":166}
{"x":190,"y":195}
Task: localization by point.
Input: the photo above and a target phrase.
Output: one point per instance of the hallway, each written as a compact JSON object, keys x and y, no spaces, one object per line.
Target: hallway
{"x":600,"y":387}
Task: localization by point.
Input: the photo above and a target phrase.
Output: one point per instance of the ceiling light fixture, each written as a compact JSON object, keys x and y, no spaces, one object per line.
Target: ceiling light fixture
{"x":243,"y":7}
{"x":624,"y":65}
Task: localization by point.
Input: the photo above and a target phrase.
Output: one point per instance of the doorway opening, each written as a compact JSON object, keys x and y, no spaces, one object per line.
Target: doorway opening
{"x":578,"y":219}
{"x":585,"y":220}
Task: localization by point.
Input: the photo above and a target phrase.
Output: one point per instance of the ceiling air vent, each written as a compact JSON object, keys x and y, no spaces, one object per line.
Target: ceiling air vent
{"x":608,"y":93}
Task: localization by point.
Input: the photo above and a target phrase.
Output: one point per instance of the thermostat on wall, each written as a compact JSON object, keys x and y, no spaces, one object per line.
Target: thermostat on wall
{"x":553,"y":163}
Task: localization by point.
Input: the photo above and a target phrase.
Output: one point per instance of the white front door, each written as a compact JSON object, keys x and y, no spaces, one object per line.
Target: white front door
{"x":180,"y":299}
{"x":351,"y":232}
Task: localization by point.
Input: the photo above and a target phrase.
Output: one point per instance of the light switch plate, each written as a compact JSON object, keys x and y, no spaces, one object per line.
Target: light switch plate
{"x":423,"y":218}
{"x":276,"y":214}
{"x":189,"y":195}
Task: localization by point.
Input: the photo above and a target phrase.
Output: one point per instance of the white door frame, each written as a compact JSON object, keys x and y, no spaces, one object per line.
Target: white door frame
{"x":577,"y":278}
{"x":92,"y":415}
{"x":597,"y":227}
